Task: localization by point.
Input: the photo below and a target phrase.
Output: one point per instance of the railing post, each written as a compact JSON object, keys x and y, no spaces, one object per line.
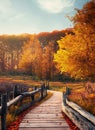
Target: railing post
{"x":64,"y":98}
{"x":68,"y":91}
{"x":15,"y":91}
{"x":0,"y":99}
{"x":47,"y":84}
{"x":32,"y":96}
{"x":21,"y":89}
{"x":8,"y":96}
{"x":34,"y":88}
{"x":46,"y":90}
{"x":42,"y":92}
{"x":3,"y":112}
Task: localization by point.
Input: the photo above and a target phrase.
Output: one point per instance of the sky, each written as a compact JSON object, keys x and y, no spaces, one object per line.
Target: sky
{"x":34,"y":16}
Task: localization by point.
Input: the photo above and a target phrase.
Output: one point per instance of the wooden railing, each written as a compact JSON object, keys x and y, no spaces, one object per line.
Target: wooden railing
{"x":18,"y":97}
{"x":81,"y":118}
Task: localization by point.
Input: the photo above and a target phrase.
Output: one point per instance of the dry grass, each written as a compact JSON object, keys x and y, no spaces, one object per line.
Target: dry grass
{"x":14,"y":121}
{"x":20,"y":79}
{"x":60,"y":86}
{"x":86,"y":100}
{"x":78,"y":93}
{"x":27,"y":80}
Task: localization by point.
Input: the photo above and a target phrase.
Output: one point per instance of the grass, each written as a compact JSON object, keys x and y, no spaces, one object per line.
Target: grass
{"x":27,"y":80}
{"x":14,"y":110}
{"x":78,"y":95}
{"x":60,"y":86}
{"x":14,"y":124}
{"x":21,"y":79}
{"x":86,"y":101}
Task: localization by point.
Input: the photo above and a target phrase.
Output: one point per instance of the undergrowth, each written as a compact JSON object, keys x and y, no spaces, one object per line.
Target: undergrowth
{"x":13,"y":120}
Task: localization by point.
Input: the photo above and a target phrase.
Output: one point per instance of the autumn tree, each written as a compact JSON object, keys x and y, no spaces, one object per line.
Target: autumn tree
{"x":32,"y":57}
{"x":76,"y":54}
{"x":3,"y":50}
{"x":50,"y":46}
{"x":48,"y":65}
{"x":46,"y":37}
{"x":10,"y":51}
{"x":15,"y":44}
{"x":86,"y":15}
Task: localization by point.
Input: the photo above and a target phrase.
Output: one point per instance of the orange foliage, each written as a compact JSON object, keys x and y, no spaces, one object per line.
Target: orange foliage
{"x":76,"y":54}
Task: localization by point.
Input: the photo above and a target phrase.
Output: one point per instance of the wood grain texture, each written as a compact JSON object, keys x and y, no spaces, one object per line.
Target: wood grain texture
{"x":47,"y":116}
{"x":82,"y":112}
{"x":79,"y":117}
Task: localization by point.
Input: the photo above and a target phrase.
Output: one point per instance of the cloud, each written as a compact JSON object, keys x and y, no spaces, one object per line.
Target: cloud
{"x":55,"y":6}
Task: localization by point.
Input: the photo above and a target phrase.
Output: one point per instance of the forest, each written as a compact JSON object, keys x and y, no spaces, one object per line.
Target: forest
{"x":76,"y":54}
{"x":31,"y":54}
{"x":55,"y":55}
{"x":66,"y":55}
{"x":61,"y":55}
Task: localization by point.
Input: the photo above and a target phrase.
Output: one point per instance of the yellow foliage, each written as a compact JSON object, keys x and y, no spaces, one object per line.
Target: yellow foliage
{"x":31,"y":56}
{"x":13,"y":108}
{"x":76,"y":55}
{"x":10,"y":118}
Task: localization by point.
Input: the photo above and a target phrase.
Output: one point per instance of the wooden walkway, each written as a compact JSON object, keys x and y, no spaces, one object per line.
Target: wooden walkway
{"x":47,"y":116}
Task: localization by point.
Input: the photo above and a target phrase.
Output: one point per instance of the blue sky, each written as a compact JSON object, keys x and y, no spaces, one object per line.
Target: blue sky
{"x":34,"y":16}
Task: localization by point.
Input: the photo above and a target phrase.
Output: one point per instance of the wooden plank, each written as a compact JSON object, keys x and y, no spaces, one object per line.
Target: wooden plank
{"x":47,"y":116}
{"x":81,"y":122}
{"x":37,"y":120}
{"x":44,"y":121}
{"x":44,"y":128}
{"x":47,"y":112}
{"x":84,"y":113}
{"x":45,"y":124}
{"x":43,"y":115}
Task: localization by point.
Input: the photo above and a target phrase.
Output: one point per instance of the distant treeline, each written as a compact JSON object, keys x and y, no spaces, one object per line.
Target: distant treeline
{"x":31,"y":53}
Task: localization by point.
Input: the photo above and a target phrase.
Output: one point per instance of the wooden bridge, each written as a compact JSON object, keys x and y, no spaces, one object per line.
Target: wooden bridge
{"x":47,"y":116}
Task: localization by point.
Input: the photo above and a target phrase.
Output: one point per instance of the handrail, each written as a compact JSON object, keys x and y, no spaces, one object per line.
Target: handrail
{"x":80,"y":117}
{"x":31,"y":93}
{"x":5,"y":105}
{"x":81,"y":111}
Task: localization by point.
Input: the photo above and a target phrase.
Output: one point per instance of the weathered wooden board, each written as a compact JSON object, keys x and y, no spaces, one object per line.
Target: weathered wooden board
{"x":44,"y":124}
{"x":44,"y":128}
{"x":42,"y":116}
{"x":78,"y":116}
{"x":44,"y":121}
{"x":47,"y":116}
{"x":80,"y":110}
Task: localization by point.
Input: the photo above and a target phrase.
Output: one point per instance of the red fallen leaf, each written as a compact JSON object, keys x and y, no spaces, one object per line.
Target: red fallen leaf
{"x":15,"y":125}
{"x":70,"y":123}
